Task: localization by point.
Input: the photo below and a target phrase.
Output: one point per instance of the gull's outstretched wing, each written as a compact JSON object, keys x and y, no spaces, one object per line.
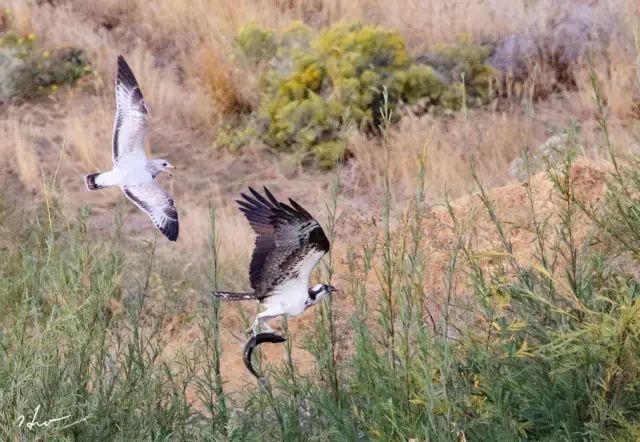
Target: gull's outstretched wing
{"x":130,"y":125}
{"x":289,"y":241}
{"x":156,"y":203}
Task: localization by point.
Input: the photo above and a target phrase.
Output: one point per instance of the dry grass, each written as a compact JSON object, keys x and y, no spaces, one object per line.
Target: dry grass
{"x":17,"y":134}
{"x":421,"y":22}
{"x":491,"y":140}
{"x":618,"y":78}
{"x":86,"y":133}
{"x":219,"y":78}
{"x":20,"y":16}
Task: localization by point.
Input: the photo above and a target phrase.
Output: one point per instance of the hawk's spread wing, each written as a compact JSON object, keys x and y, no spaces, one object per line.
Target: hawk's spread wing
{"x":156,"y":203}
{"x":289,"y":241}
{"x":130,"y":125}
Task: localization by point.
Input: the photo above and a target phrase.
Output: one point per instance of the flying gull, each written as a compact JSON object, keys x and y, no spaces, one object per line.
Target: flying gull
{"x":289,"y":244}
{"x":132,"y":170}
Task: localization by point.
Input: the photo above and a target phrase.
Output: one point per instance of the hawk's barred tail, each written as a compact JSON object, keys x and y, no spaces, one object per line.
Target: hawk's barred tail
{"x":234,"y":296}
{"x":90,"y":181}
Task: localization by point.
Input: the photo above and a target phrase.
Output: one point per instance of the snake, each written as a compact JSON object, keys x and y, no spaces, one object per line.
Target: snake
{"x":252,"y":343}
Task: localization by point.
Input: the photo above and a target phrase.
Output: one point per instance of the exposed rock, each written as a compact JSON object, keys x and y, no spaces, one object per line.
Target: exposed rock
{"x":548,"y":154}
{"x":10,"y":66}
{"x":516,"y":54}
{"x":560,"y":49}
{"x":583,"y":30}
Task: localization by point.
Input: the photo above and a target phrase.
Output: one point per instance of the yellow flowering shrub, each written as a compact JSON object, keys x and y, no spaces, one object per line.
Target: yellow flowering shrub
{"x":311,"y":84}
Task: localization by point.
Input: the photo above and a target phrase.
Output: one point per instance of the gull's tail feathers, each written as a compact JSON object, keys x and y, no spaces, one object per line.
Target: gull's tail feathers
{"x":90,"y":181}
{"x":234,"y":296}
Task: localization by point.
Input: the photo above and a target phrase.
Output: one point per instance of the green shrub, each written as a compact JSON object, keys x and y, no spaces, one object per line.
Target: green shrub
{"x":296,"y":35}
{"x":460,"y":60}
{"x":28,"y":70}
{"x":233,"y":139}
{"x":255,"y":43}
{"x":312,"y":84}
{"x":328,"y":153}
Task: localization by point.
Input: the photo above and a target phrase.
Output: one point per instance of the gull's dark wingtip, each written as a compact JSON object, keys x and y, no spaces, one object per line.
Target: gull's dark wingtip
{"x":171,"y":231}
{"x":123,"y":67}
{"x":125,"y":75}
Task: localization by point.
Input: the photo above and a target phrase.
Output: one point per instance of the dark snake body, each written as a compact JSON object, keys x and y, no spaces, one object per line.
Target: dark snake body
{"x":252,"y":343}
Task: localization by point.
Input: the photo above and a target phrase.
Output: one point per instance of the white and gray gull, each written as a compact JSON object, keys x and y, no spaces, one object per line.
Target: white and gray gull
{"x":132,"y":170}
{"x":289,"y":244}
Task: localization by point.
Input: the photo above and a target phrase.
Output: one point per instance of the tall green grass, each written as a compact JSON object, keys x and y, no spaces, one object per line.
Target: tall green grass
{"x":546,"y":348}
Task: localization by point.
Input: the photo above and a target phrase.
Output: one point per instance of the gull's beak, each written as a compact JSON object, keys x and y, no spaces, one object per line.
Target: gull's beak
{"x":171,"y":167}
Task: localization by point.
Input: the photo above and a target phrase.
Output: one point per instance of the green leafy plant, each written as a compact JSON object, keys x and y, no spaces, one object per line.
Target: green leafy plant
{"x":462,"y":61}
{"x":255,"y":43}
{"x":27,"y":69}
